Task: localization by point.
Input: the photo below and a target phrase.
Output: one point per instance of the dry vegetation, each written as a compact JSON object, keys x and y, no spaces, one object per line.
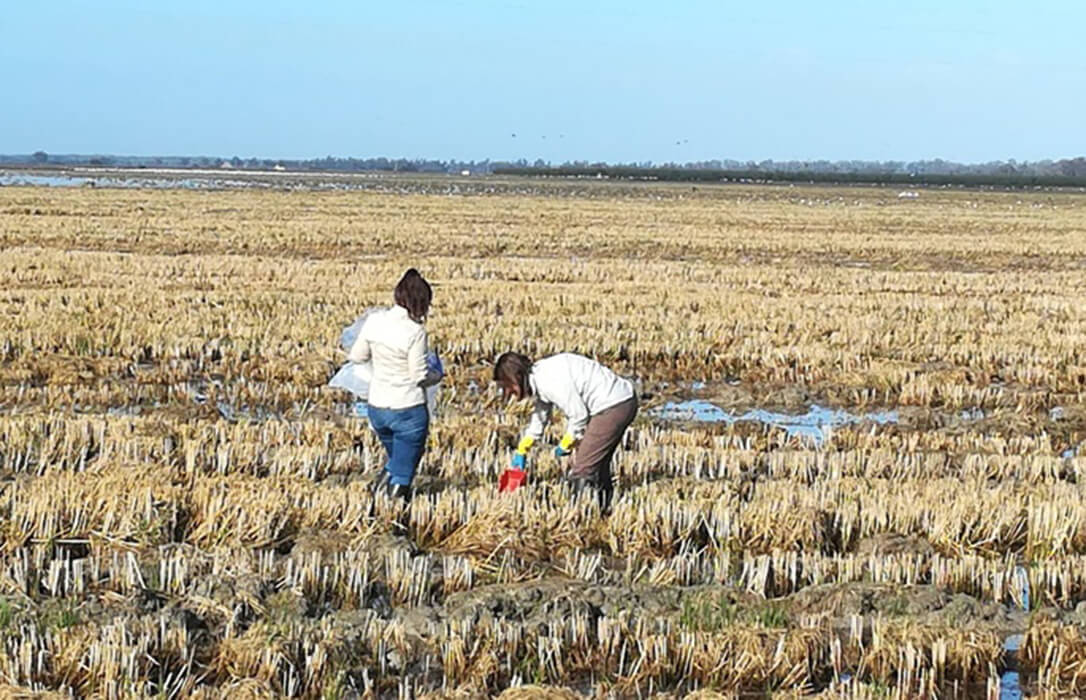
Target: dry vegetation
{"x":185,"y":508}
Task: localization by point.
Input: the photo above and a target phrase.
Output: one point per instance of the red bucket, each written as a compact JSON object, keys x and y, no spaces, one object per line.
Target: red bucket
{"x":511,"y":479}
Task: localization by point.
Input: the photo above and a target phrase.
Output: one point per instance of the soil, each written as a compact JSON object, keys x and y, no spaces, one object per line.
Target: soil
{"x":893,"y":543}
{"x":539,"y":601}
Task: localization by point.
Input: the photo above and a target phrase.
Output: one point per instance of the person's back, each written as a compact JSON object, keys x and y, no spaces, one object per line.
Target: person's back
{"x":599,"y":387}
{"x":398,"y":347}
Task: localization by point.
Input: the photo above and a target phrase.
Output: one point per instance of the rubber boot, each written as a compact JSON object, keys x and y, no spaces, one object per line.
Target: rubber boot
{"x":585,"y":487}
{"x":605,"y":492}
{"x":380,"y":485}
{"x":400,"y":495}
{"x":399,"y":491}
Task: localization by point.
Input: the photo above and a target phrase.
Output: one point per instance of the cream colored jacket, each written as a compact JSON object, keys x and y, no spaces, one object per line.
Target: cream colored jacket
{"x":579,"y":386}
{"x":398,"y":346}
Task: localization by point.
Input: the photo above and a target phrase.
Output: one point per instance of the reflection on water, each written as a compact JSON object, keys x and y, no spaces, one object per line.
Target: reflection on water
{"x":10,"y":179}
{"x":1009,"y":686}
{"x":814,"y":425}
{"x":16,"y":179}
{"x":1010,"y":683}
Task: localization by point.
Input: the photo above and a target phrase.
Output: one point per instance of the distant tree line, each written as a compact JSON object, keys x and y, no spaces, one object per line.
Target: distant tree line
{"x":871,"y":176}
{"x":326,"y":164}
{"x":1074,"y":167}
{"x":1066,"y":172}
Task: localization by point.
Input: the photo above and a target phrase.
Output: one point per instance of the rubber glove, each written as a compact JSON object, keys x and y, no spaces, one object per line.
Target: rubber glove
{"x":433,"y":364}
{"x":564,"y":447}
{"x":520,"y":457}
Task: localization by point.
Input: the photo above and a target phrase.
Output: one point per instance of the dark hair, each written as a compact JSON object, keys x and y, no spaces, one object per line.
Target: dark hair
{"x":414,"y":294}
{"x":514,"y":368}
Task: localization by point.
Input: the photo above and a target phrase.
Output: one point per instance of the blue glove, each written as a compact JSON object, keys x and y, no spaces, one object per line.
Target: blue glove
{"x":519,"y":461}
{"x":559,"y":452}
{"x":433,"y":363}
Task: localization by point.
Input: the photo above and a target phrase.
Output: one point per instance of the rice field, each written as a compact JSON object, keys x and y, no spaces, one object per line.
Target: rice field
{"x":185,"y":507}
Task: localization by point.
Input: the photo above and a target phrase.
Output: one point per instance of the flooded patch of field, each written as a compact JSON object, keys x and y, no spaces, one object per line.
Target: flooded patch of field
{"x":22,"y":179}
{"x":814,"y":425}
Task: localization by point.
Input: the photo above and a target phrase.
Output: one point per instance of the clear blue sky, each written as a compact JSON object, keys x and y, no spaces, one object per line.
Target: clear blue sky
{"x":616,"y":80}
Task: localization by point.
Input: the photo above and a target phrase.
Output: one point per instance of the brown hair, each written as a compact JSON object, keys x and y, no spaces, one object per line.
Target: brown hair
{"x":514,"y":368}
{"x":414,"y":294}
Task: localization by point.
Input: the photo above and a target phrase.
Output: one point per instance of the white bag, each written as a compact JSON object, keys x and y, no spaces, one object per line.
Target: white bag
{"x":355,"y":378}
{"x":350,"y":333}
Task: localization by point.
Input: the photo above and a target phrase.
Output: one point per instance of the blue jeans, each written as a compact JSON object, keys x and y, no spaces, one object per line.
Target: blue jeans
{"x":403,"y":432}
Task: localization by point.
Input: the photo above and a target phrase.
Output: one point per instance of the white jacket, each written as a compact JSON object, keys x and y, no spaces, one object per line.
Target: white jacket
{"x":398,"y":347}
{"x":580,"y":387}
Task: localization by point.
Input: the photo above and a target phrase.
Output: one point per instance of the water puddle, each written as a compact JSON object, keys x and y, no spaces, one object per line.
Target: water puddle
{"x":200,"y":180}
{"x":1009,"y":686}
{"x":245,"y":414}
{"x":1010,"y":682}
{"x":135,"y":182}
{"x":133,"y":410}
{"x":20,"y":179}
{"x":815,"y":425}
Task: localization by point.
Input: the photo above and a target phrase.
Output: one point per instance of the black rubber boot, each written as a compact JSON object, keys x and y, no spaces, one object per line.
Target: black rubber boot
{"x":399,"y":491}
{"x":400,"y":495}
{"x":377,"y":487}
{"x":587,"y":487}
{"x":605,"y":493}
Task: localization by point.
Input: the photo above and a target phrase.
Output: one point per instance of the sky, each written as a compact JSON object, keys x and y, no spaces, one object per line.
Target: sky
{"x":617,"y":81}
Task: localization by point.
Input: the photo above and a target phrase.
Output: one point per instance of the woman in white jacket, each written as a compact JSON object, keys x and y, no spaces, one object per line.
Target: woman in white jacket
{"x":395,"y":339}
{"x":598,"y":404}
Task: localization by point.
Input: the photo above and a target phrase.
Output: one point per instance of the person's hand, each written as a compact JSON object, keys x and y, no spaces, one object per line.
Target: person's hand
{"x":519,"y":460}
{"x":433,"y":364}
{"x":565,"y":447}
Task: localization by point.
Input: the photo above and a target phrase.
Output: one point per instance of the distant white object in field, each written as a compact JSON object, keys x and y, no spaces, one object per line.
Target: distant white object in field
{"x":908,"y":194}
{"x":465,"y":173}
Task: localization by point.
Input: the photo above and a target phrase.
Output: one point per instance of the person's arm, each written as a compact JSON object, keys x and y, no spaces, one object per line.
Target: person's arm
{"x":431,"y":374}
{"x":541,"y":415}
{"x":360,"y":352}
{"x":418,"y":371}
{"x":435,"y":372}
{"x":577,"y":416}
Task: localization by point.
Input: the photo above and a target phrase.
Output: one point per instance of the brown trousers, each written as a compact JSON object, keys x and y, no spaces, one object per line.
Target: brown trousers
{"x":592,"y":458}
